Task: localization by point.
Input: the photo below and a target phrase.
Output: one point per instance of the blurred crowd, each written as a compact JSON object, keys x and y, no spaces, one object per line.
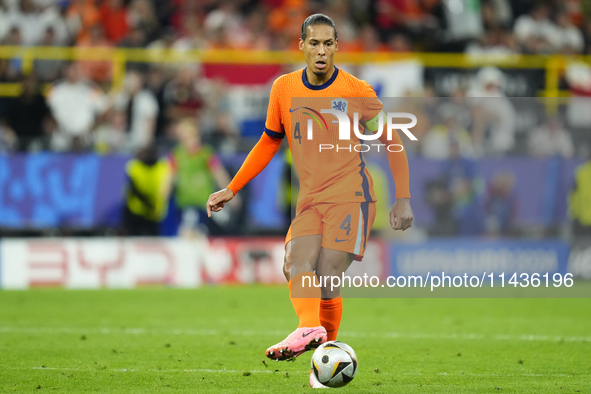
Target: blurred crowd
{"x":489,"y":26}
{"x":77,"y":116}
{"x":481,"y":121}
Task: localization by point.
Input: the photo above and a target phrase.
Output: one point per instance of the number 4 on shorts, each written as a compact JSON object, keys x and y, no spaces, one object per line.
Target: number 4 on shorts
{"x":346,"y":225}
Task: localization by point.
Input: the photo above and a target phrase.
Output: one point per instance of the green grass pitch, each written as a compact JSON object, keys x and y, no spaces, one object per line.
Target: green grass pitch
{"x":213,"y":340}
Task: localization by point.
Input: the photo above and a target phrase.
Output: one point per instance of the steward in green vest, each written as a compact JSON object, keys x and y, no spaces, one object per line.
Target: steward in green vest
{"x":146,"y":199}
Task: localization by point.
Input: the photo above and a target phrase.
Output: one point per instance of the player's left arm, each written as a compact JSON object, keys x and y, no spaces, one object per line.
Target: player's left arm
{"x":222,"y":177}
{"x":401,"y":216}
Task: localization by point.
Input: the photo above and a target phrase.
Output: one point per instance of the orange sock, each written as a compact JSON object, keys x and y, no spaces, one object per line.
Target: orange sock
{"x":330,"y":316}
{"x":306,"y":302}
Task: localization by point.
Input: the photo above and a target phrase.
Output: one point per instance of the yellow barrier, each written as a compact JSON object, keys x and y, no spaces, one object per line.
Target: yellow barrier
{"x":553,"y":64}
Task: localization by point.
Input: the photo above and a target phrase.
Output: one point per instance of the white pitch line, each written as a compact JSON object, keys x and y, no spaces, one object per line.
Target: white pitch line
{"x":208,"y":370}
{"x":160,"y":370}
{"x":209,"y":332}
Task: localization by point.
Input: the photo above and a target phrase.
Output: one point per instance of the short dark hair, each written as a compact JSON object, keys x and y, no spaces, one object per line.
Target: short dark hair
{"x":318,"y":19}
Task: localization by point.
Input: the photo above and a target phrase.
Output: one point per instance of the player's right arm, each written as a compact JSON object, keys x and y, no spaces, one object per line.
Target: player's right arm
{"x":258,"y":158}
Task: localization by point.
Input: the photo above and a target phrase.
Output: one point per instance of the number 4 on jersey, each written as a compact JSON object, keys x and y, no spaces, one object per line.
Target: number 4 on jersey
{"x":296,"y":133}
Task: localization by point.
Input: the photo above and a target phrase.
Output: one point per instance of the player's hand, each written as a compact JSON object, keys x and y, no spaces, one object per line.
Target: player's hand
{"x":217,"y":200}
{"x":401,"y":214}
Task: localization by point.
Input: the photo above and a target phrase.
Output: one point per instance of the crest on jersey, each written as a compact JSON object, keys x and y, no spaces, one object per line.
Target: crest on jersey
{"x":339,"y":105}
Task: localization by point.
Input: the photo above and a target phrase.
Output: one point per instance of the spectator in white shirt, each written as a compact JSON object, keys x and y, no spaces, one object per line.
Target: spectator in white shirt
{"x":26,"y":18}
{"x":493,"y":43}
{"x":493,"y":114}
{"x":141,"y":110}
{"x":567,"y":37}
{"x":551,"y":139}
{"x":535,"y":31}
{"x":76,"y":105}
{"x":33,"y":23}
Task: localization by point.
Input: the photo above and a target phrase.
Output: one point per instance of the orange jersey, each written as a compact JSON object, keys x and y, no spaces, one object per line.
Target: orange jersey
{"x":327,"y":175}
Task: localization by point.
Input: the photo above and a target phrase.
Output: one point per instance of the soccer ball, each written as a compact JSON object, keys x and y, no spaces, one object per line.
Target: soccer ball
{"x":334,"y":364}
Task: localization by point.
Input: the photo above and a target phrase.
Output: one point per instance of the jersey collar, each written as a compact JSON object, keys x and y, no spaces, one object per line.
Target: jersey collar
{"x":319,"y":87}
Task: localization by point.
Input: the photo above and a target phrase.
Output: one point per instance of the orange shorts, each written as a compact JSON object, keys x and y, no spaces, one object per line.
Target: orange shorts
{"x":344,"y":226}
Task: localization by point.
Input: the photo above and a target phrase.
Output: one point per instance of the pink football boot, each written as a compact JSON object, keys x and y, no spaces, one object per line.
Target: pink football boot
{"x":298,"y":342}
